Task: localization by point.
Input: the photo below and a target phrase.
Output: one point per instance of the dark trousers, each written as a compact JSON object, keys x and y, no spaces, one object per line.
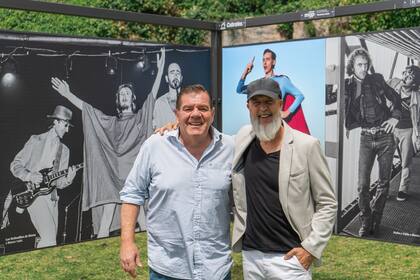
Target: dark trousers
{"x":382,"y":146}
{"x":153,"y":275}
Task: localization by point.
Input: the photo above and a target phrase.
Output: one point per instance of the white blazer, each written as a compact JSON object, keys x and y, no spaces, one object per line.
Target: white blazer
{"x":306,"y":193}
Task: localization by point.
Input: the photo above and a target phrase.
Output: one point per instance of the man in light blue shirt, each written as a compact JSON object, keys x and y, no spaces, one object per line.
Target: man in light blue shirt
{"x":186,"y":176}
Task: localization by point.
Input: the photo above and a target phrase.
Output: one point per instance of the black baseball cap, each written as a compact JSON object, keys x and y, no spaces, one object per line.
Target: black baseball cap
{"x":265,"y":86}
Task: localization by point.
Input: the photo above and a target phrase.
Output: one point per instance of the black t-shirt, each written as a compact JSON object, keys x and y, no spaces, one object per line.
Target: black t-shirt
{"x":267,"y":228}
{"x":405,"y":120}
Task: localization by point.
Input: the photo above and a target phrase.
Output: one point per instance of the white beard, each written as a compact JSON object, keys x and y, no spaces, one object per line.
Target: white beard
{"x":269,"y":131}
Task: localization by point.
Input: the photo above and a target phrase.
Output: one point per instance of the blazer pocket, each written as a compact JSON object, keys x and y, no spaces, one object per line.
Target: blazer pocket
{"x":298,"y":185}
{"x":298,"y":172}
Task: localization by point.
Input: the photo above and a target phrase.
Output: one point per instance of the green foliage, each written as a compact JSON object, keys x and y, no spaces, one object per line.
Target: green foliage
{"x":196,"y":9}
{"x":384,"y":21}
{"x":57,"y":24}
{"x":286,"y":29}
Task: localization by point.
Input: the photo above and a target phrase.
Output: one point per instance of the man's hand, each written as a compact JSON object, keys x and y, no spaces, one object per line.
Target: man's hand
{"x":166,"y":127}
{"x":61,"y":86}
{"x":417,"y":143}
{"x":130,"y":258}
{"x":161,"y":60}
{"x":389,"y":125}
{"x":35,"y":177}
{"x":248,"y":69}
{"x":70,"y":175}
{"x":305,"y":258}
{"x":285,"y":114}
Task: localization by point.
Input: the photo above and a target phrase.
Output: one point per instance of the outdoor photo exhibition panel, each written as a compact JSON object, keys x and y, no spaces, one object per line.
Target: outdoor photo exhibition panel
{"x":73,"y":115}
{"x":377,"y":179}
{"x":380,"y":183}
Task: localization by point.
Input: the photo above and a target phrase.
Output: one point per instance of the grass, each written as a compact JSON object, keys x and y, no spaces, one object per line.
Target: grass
{"x":344,"y":258}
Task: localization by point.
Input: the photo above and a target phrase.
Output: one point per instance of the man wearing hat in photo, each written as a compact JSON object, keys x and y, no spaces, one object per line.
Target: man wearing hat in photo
{"x":46,"y":151}
{"x":285,"y":205}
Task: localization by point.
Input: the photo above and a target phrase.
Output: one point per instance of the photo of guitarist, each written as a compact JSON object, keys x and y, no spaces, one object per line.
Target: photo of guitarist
{"x":45,"y":151}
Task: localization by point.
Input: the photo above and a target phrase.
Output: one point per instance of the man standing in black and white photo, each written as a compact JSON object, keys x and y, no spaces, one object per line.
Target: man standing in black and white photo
{"x":111,"y":144}
{"x":165,"y":106}
{"x":366,"y":95}
{"x":46,"y":151}
{"x":406,"y":132}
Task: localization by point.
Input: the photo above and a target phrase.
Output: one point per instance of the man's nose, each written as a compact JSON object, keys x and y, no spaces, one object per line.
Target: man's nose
{"x":195,"y":112}
{"x":263,"y":107}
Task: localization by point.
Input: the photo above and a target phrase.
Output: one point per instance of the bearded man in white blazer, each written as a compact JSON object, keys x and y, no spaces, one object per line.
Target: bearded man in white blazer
{"x":285,"y":206}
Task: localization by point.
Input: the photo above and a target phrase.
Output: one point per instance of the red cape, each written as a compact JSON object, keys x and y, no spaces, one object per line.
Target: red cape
{"x":297,"y":119}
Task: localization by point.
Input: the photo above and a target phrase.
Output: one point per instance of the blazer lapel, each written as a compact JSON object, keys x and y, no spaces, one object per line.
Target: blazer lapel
{"x":238,"y":177}
{"x":240,"y":149}
{"x":286,"y":154}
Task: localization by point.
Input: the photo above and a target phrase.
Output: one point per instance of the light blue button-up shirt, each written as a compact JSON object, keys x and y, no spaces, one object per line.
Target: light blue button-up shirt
{"x":188,"y":218}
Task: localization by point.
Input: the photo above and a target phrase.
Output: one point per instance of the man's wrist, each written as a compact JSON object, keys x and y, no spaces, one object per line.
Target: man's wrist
{"x":128,"y":237}
{"x":128,"y":240}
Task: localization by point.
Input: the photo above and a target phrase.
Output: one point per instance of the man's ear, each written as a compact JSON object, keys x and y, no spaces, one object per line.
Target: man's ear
{"x":166,"y":78}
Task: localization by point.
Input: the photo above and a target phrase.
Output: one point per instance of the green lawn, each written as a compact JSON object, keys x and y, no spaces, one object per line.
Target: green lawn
{"x":344,"y":258}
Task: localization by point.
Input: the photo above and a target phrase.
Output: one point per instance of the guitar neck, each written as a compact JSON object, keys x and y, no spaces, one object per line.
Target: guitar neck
{"x":62,"y":173}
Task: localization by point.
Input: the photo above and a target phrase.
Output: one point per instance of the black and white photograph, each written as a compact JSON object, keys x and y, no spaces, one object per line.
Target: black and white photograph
{"x":380,"y":185}
{"x":74,"y":113}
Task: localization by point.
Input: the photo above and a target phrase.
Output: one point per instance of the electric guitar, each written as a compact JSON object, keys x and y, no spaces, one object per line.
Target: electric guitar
{"x":25,"y":193}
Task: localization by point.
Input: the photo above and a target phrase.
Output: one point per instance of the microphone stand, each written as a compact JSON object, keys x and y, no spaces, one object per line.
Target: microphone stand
{"x":66,"y":209}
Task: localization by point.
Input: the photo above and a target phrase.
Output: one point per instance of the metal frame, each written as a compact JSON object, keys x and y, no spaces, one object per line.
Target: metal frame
{"x":340,"y":120}
{"x":100,"y":13}
{"x":216,"y":74}
{"x":350,"y":10}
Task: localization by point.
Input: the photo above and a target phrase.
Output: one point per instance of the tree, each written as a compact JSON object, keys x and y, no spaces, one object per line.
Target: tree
{"x":202,"y":10}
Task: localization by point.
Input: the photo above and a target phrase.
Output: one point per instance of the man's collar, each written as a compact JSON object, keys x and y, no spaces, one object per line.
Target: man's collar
{"x":52,"y":134}
{"x":357,"y":79}
{"x":170,"y":95}
{"x":288,"y":133}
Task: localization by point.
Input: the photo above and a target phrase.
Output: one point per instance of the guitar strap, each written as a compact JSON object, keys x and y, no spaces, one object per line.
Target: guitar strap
{"x":56,"y":166}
